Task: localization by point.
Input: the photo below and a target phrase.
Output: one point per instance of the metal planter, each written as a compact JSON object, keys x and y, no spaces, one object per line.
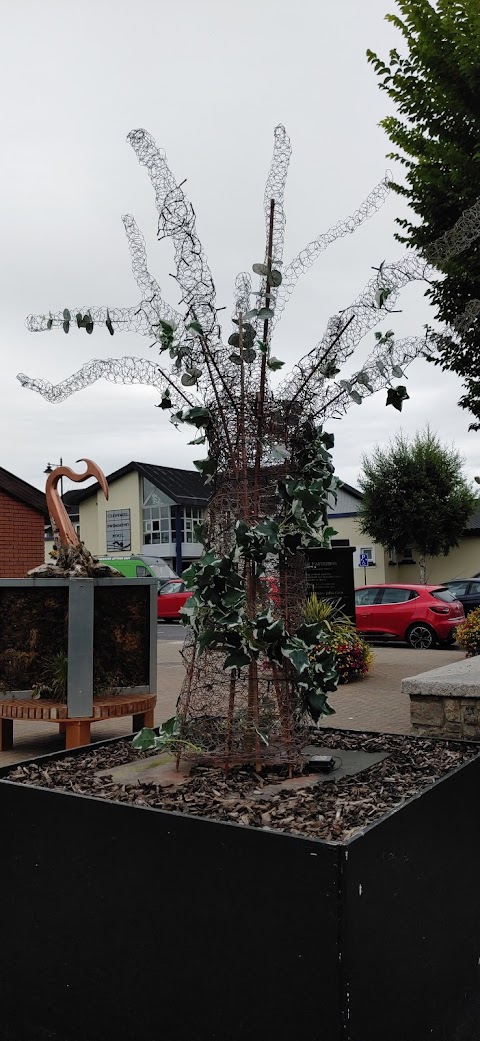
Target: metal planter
{"x":124,"y":922}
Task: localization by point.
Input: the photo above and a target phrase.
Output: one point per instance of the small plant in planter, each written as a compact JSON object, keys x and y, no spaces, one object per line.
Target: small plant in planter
{"x":53,"y":677}
{"x":353,"y":657}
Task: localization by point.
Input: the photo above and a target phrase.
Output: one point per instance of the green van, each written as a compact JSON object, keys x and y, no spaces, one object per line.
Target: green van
{"x":141,"y":567}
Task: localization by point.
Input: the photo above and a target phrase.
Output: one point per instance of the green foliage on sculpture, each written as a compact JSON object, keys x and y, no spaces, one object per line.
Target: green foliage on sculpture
{"x":217,"y":611}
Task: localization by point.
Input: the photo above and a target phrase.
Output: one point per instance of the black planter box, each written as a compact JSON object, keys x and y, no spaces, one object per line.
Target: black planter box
{"x":121,"y":923}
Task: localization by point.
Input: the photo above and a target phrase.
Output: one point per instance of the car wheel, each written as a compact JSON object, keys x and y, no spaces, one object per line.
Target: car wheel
{"x":421,"y":637}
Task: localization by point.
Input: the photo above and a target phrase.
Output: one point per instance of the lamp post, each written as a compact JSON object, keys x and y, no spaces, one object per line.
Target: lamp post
{"x":48,"y":470}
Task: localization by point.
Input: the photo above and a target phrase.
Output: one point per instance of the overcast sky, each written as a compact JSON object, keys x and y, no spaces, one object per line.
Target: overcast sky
{"x":209,"y":79}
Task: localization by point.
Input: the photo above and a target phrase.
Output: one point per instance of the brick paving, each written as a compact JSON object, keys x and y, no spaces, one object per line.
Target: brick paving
{"x":375,"y":703}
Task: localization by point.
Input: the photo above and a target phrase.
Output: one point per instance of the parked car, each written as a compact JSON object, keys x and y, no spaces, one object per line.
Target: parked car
{"x":467,"y":590}
{"x":171,"y":598}
{"x":420,"y":615}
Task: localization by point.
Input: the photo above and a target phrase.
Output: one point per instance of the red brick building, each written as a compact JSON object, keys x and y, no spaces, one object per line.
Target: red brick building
{"x":23,"y":513}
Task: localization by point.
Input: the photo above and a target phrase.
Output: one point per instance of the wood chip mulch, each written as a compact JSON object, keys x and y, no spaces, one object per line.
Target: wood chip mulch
{"x":332,"y":810}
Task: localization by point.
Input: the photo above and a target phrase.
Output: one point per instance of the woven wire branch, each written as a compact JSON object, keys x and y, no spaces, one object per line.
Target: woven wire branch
{"x":310,"y":381}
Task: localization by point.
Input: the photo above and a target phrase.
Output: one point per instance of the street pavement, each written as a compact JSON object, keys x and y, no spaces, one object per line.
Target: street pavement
{"x":375,"y":703}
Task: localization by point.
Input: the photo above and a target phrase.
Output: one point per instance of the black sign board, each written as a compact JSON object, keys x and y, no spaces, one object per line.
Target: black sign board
{"x":329,"y":574}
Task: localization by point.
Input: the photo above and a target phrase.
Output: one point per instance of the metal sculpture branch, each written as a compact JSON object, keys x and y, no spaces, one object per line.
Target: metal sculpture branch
{"x":253,"y":668}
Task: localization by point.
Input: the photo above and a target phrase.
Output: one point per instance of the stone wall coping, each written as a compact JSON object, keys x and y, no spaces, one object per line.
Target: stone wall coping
{"x":461,"y":679}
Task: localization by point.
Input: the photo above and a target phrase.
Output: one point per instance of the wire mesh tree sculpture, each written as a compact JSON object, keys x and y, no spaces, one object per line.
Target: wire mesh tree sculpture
{"x":253,"y":668}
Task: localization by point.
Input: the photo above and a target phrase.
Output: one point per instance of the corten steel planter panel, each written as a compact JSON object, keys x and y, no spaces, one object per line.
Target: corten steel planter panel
{"x":122,"y":922}
{"x":91,"y":605}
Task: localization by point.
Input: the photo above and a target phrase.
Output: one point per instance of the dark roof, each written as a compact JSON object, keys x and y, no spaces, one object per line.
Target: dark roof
{"x":22,"y":491}
{"x":185,"y":487}
{"x":472,"y":526}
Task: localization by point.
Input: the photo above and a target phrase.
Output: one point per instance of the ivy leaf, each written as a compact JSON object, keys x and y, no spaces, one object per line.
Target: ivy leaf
{"x":234,"y":340}
{"x":265,"y":312}
{"x":198,"y":440}
{"x":274,"y":364}
{"x":171,"y":727}
{"x":297,"y":657}
{"x":196,"y":328}
{"x":206,"y":466}
{"x":236,"y":660}
{"x":49,"y":323}
{"x":396,"y":396}
{"x":260,"y":269}
{"x":145,"y":739}
{"x":66,"y":326}
{"x":251,"y":314}
{"x":166,"y":326}
{"x":191,"y":377}
{"x":263,"y":347}
{"x":275,"y":278}
{"x":280,"y":452}
{"x":79,"y":319}
{"x":235,"y":358}
{"x":356,"y":397}
{"x":109,"y":325}
{"x":318,"y":705}
{"x":397,"y":372}
{"x":381,"y":368}
{"x":166,"y":401}
{"x":66,"y":315}
{"x":88,"y":322}
{"x":198,"y":416}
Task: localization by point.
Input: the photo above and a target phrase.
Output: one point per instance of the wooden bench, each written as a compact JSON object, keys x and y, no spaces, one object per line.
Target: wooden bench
{"x":77,"y":731}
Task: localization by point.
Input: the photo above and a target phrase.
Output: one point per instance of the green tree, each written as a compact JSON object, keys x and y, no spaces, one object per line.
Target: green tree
{"x":414,"y":494}
{"x":435,"y":86}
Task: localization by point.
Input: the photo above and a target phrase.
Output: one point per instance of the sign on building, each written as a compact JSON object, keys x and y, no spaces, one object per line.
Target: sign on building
{"x":119,"y":535}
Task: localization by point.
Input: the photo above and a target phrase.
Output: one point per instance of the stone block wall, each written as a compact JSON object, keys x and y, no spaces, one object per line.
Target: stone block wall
{"x":445,"y":702}
{"x":445,"y":717}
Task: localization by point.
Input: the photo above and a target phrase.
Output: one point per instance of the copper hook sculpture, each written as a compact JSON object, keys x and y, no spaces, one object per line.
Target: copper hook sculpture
{"x":56,"y":508}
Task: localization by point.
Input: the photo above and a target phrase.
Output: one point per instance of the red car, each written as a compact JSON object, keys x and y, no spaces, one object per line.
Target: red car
{"x":171,"y":598}
{"x":420,"y":615}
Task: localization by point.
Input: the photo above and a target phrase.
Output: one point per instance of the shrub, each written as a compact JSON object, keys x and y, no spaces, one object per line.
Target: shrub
{"x":467,"y":634}
{"x":353,"y":657}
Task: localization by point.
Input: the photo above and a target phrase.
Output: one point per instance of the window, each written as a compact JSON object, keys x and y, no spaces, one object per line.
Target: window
{"x":474,"y":589}
{"x":173,"y":587}
{"x":397,"y":596}
{"x":366,"y":597}
{"x":459,"y":588}
{"x":158,"y":516}
{"x":142,"y":571}
{"x":192,"y":515}
{"x":443,"y":594}
{"x":406,"y":556}
{"x":158,"y":525}
{"x":367,"y":552}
